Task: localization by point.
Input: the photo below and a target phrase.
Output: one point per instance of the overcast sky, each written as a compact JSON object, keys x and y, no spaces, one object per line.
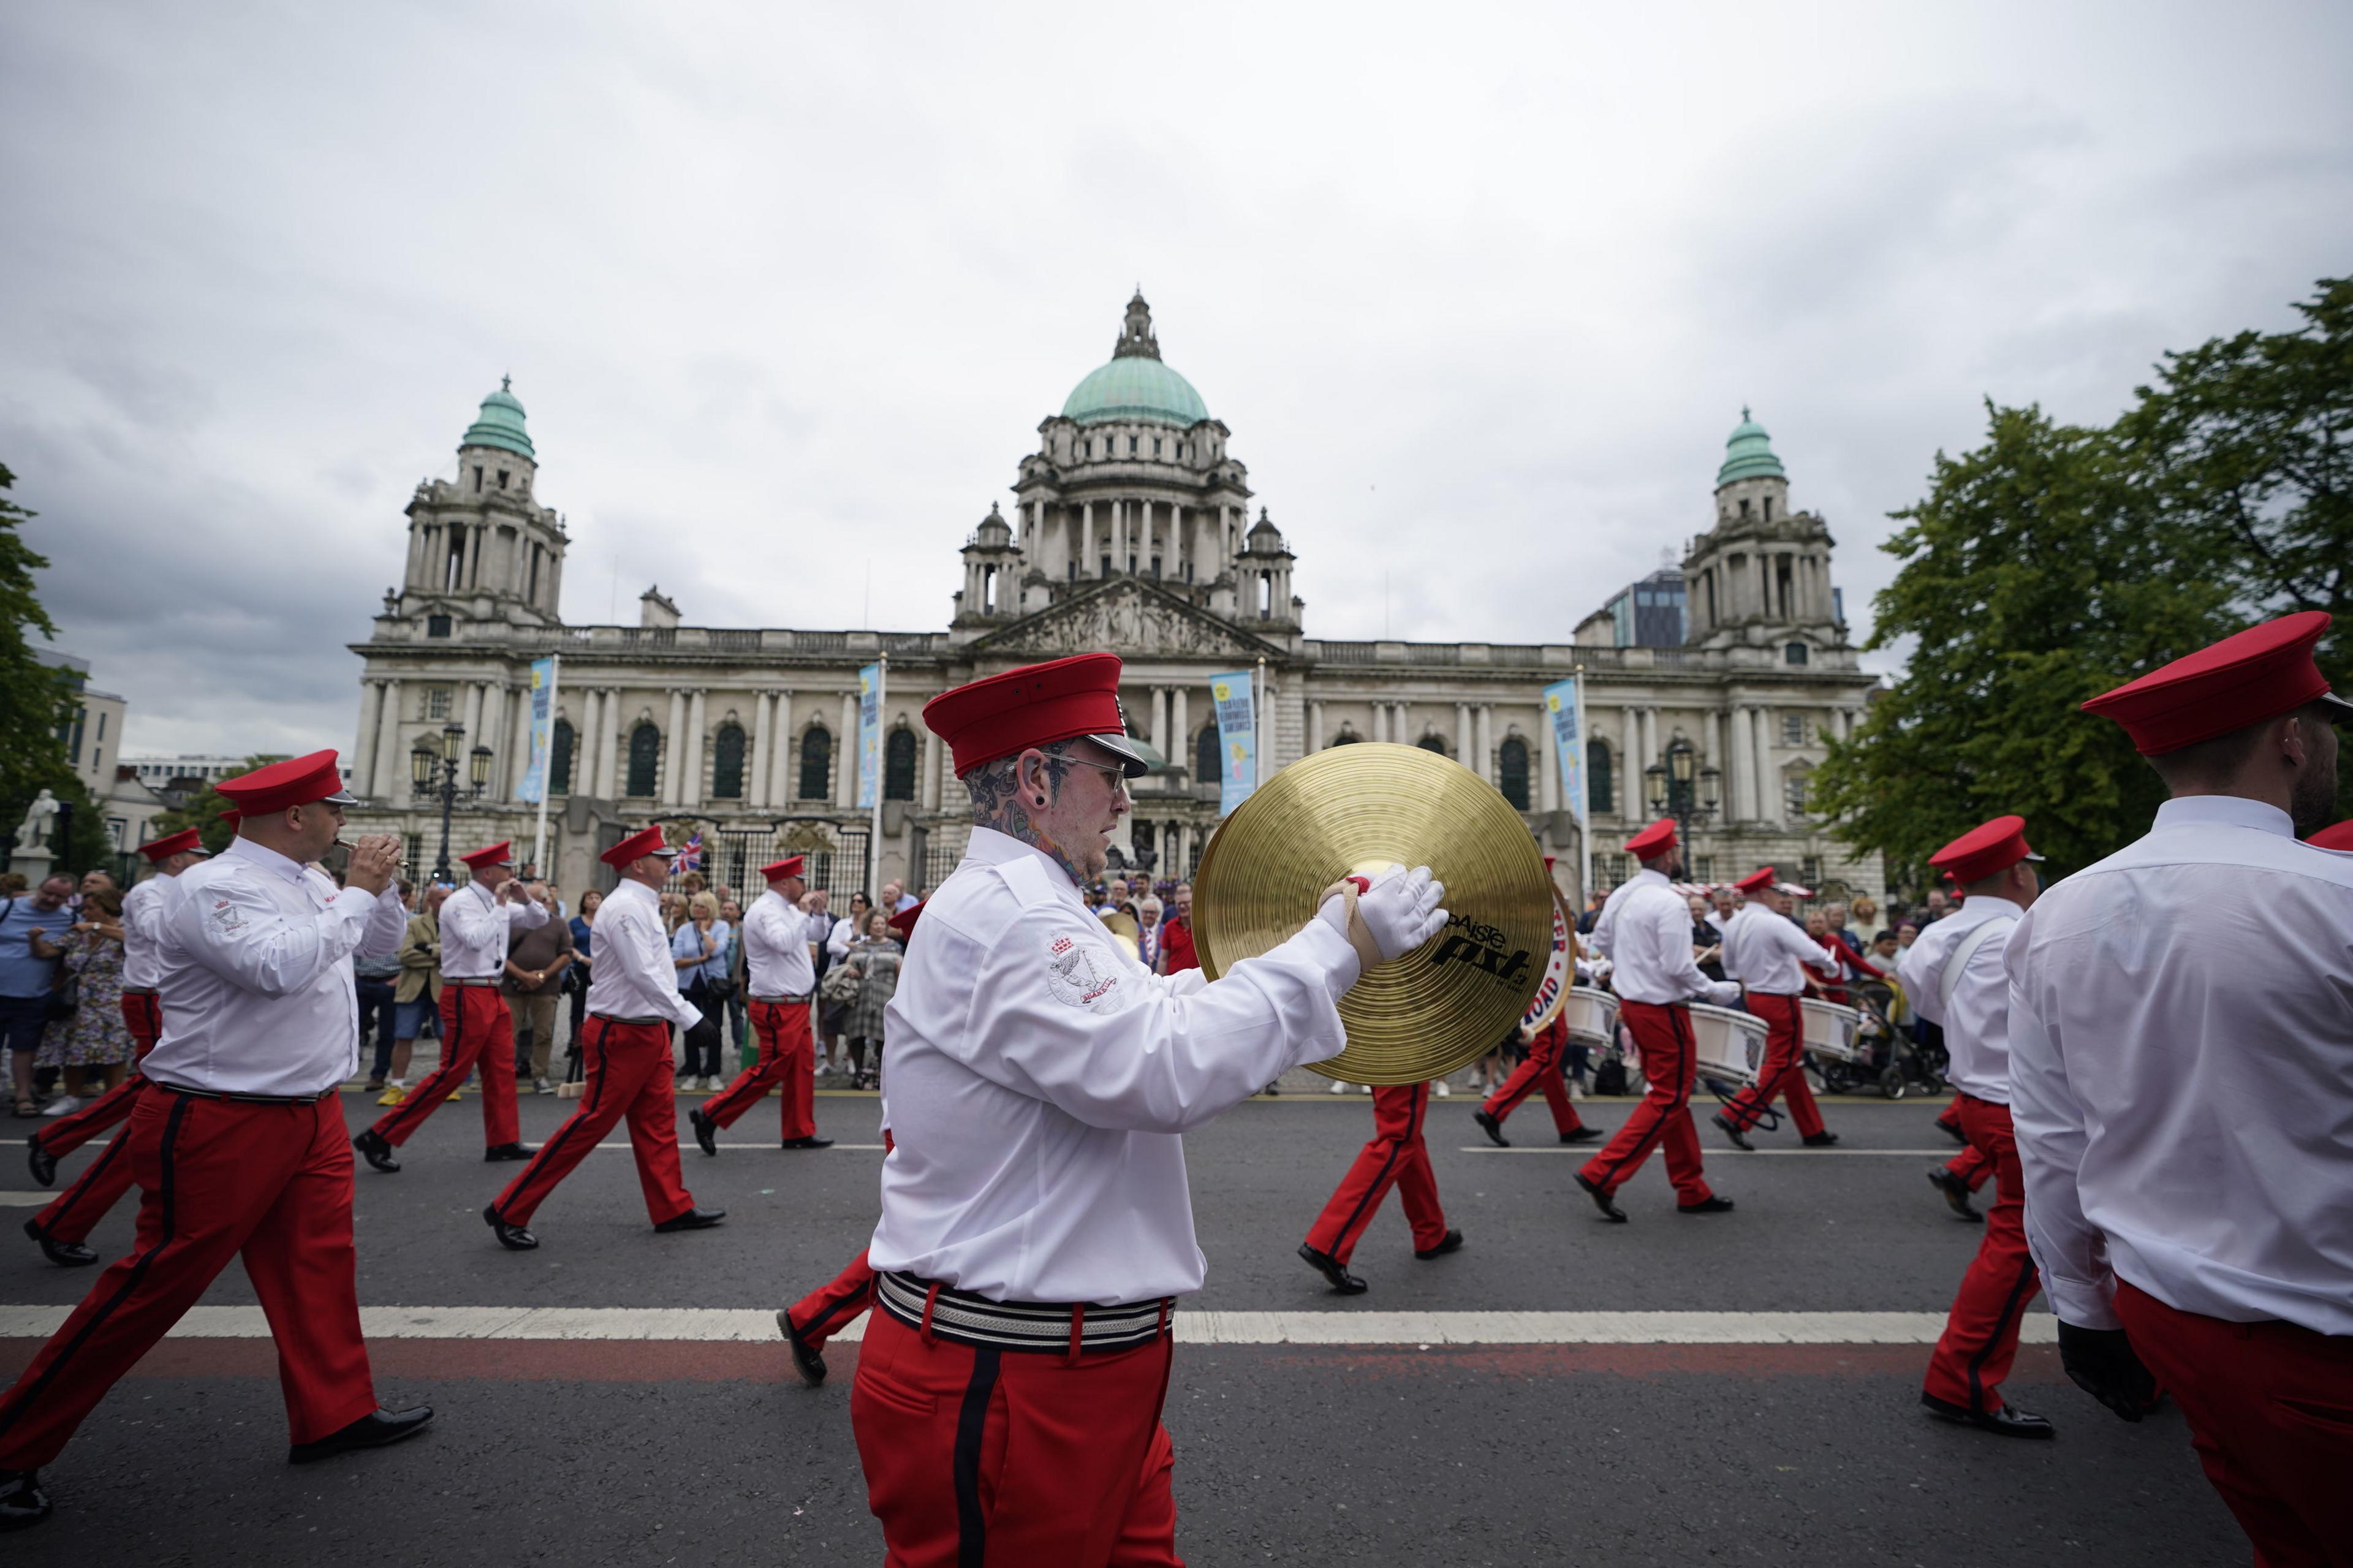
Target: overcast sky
{"x":785,"y":290}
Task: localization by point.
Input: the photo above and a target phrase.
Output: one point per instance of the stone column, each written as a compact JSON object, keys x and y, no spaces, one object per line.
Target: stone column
{"x":1087,"y":553}
{"x":1632,"y":804}
{"x":1315,"y":725}
{"x":755,"y":790}
{"x":1180,"y":725}
{"x":1176,"y":562}
{"x":583,"y":741}
{"x":510,"y":774}
{"x":1119,"y":536}
{"x":392,"y":782}
{"x":1549,"y":793}
{"x":470,"y":717}
{"x":609,"y":780}
{"x":1649,"y":736}
{"x":780,"y":745}
{"x":1486,"y":765}
{"x":845,"y":754}
{"x":1379,"y":723}
{"x":1743,"y":776}
{"x":927,"y":768}
{"x":1160,"y":720}
{"x":1465,"y":739}
{"x":697,"y":736}
{"x":364,"y":741}
{"x":1768,"y":772}
{"x":673,"y":768}
{"x":1712,"y":753}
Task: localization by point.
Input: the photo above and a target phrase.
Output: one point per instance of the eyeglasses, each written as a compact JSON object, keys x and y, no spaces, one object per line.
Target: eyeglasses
{"x":1118,"y":775}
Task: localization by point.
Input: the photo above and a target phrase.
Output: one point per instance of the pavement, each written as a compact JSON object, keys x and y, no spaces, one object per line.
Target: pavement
{"x":1733,"y":1389}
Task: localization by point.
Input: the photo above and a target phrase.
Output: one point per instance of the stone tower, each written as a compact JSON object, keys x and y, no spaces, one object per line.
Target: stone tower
{"x":480,"y":548}
{"x":1761,"y":577}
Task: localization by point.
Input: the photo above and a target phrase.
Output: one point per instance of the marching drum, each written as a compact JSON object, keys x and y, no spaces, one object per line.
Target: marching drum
{"x":1591,"y":1016}
{"x":1731,"y":1044}
{"x":1831,"y":1031}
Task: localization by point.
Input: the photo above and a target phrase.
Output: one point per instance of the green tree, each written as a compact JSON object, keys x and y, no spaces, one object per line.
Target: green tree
{"x":37,"y":700}
{"x":204,"y":810}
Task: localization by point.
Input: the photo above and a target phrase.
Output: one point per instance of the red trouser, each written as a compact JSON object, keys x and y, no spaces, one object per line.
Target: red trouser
{"x":2270,"y":1407}
{"x":142,"y":1015}
{"x":1980,"y":1336}
{"x":1541,"y":1071}
{"x":628,"y":1074}
{"x":1670,"y":1067}
{"x":1784,"y":1070}
{"x":786,"y":1055}
{"x":834,"y":1306}
{"x":1396,"y":1157}
{"x":217,"y":1178}
{"x":1968,"y":1164}
{"x":475,"y":1024}
{"x":72,"y":1213}
{"x":989,"y":1458}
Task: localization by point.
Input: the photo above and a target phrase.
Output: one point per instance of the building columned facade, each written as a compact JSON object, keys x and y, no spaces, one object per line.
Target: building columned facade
{"x":1131,"y":528}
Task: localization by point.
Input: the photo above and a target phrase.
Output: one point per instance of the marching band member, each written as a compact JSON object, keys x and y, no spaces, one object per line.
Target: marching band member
{"x":1036,"y":1225}
{"x":633,"y":1000}
{"x":1769,"y":955}
{"x":1541,"y":1069}
{"x":476,"y":923}
{"x":1645,"y":932}
{"x":1955,"y":977}
{"x":2181,"y":1045}
{"x":1396,"y":1157}
{"x":238,"y":1145}
{"x":781,"y":972}
{"x":63,"y":1227}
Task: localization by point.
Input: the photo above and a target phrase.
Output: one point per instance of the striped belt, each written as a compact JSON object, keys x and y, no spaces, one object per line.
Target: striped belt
{"x":139,"y":991}
{"x":613,"y":1018}
{"x":447,"y":980}
{"x":786,"y":1000}
{"x":247,"y":1099}
{"x":961,"y":1318}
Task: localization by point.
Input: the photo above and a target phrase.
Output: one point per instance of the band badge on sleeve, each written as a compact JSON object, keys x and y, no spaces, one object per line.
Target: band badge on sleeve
{"x":1081,"y":974}
{"x":225,"y":918}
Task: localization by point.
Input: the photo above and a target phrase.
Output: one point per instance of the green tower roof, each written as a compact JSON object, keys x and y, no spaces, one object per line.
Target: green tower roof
{"x":500,"y":423}
{"x":1748,"y":454}
{"x":1135,"y":384}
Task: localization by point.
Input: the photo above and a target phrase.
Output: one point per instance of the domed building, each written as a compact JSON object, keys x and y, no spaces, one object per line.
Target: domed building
{"x":1710,"y":690}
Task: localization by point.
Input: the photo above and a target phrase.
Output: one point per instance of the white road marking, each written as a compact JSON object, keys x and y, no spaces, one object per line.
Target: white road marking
{"x":25,"y":1200}
{"x":1194,"y":1326}
{"x":1712,"y":1152}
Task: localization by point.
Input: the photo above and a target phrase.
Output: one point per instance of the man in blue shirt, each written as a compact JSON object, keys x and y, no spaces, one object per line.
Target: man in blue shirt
{"x":28,"y":967}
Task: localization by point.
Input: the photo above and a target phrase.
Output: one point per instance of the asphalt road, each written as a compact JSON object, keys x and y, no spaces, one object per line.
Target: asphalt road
{"x":711,"y":1453}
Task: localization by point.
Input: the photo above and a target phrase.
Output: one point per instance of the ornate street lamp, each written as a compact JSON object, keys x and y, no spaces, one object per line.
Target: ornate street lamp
{"x":437,"y":773}
{"x":1679,"y":787}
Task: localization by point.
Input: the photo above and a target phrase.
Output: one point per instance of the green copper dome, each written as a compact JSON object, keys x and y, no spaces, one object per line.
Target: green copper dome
{"x":1748,"y":454}
{"x":500,"y":423}
{"x":1135,"y":384}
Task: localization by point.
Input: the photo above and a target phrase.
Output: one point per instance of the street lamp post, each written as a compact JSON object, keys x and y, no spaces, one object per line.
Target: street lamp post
{"x":436,"y":773}
{"x":1681,"y":788}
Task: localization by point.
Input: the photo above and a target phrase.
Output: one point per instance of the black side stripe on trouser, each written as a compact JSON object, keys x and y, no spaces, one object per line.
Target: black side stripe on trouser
{"x":131,"y":1282}
{"x":588,"y":1108}
{"x":73,"y":1196}
{"x":971,"y":1530}
{"x":2021,"y":1291}
{"x":1397,"y":1148}
{"x":853,"y":1302}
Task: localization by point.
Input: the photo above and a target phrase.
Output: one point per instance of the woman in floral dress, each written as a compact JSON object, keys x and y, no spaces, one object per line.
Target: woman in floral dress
{"x":92,"y":1045}
{"x":875,"y":960}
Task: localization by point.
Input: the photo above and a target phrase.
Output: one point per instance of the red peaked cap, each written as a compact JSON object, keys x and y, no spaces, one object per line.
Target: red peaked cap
{"x":297,"y":780}
{"x":1035,"y":705}
{"x":1984,"y":851}
{"x":1652,"y":841}
{"x":172,"y":844}
{"x":2245,"y":678}
{"x":903,"y":923}
{"x":1757,"y":882}
{"x":2337,"y":837}
{"x":645,"y":841}
{"x":777,"y":871}
{"x":499,"y":853}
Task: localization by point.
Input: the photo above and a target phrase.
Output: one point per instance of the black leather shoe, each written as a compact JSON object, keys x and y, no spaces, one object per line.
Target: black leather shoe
{"x":1492,"y":1126}
{"x":1581,"y":1134}
{"x":2002,"y":1423}
{"x":65,"y":1254}
{"x":1451,"y":1242}
{"x":692,"y":1219}
{"x":1820,"y":1140}
{"x":1602,"y":1201}
{"x":1957,"y":1194}
{"x":45,"y":1171}
{"x":706,"y":1131}
{"x":811,"y":1141}
{"x":374,"y":1430}
{"x":498,"y":1154}
{"x":513,"y":1237}
{"x":1343,"y":1282}
{"x":22,"y":1503}
{"x":808,"y":1359}
{"x":376,"y":1151}
{"x":1725,"y":1126}
{"x":1707,"y":1205}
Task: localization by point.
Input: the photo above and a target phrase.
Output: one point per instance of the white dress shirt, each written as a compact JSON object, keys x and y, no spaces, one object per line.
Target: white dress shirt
{"x":255,"y":973}
{"x":776,"y":937}
{"x":2182,"y":1072}
{"x":1765,"y":951}
{"x":144,"y":909}
{"x":633,"y":977}
{"x":1977,"y":1026}
{"x":1604,"y":924}
{"x":1038,"y":1081}
{"x":1651,"y":946}
{"x":475,"y":927}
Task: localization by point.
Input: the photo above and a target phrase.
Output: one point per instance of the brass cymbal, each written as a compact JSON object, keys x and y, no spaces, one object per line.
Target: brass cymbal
{"x":1354,"y":810}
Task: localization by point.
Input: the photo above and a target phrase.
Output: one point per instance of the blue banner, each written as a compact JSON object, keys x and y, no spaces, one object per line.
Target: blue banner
{"x":543,"y":729}
{"x":1565,"y":706}
{"x":1235,"y":696}
{"x":869,"y":736}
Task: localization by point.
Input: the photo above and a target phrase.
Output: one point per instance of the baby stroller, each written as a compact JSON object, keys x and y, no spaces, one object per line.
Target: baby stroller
{"x":1884,"y":1057}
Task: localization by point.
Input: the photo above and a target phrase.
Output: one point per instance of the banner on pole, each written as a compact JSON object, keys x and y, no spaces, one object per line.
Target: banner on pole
{"x":1563,"y":707}
{"x":1236,"y":703}
{"x":543,"y":729}
{"x":870,"y":737}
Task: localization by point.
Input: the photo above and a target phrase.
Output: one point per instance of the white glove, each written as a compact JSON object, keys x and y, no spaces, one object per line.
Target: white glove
{"x":1396,"y":912}
{"x":1724,"y":993}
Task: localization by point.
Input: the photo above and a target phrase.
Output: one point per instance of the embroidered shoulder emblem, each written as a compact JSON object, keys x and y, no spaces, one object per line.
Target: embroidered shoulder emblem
{"x":225,"y":918}
{"x":1082,"y":974}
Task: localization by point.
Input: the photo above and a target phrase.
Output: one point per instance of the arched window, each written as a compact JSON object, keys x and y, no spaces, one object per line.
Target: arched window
{"x":1795,"y":653}
{"x":817,"y":761}
{"x":1209,"y":756}
{"x":899,"y":766}
{"x":645,"y":759}
{"x":727,"y":763}
{"x":559,"y":759}
{"x":1432,"y":743}
{"x":1346,"y":738}
{"x":1511,"y":763}
{"x":1600,"y":778}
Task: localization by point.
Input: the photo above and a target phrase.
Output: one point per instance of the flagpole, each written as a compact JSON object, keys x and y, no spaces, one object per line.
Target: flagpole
{"x":874,"y":821}
{"x":547,"y":773}
{"x":1584,"y":800}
